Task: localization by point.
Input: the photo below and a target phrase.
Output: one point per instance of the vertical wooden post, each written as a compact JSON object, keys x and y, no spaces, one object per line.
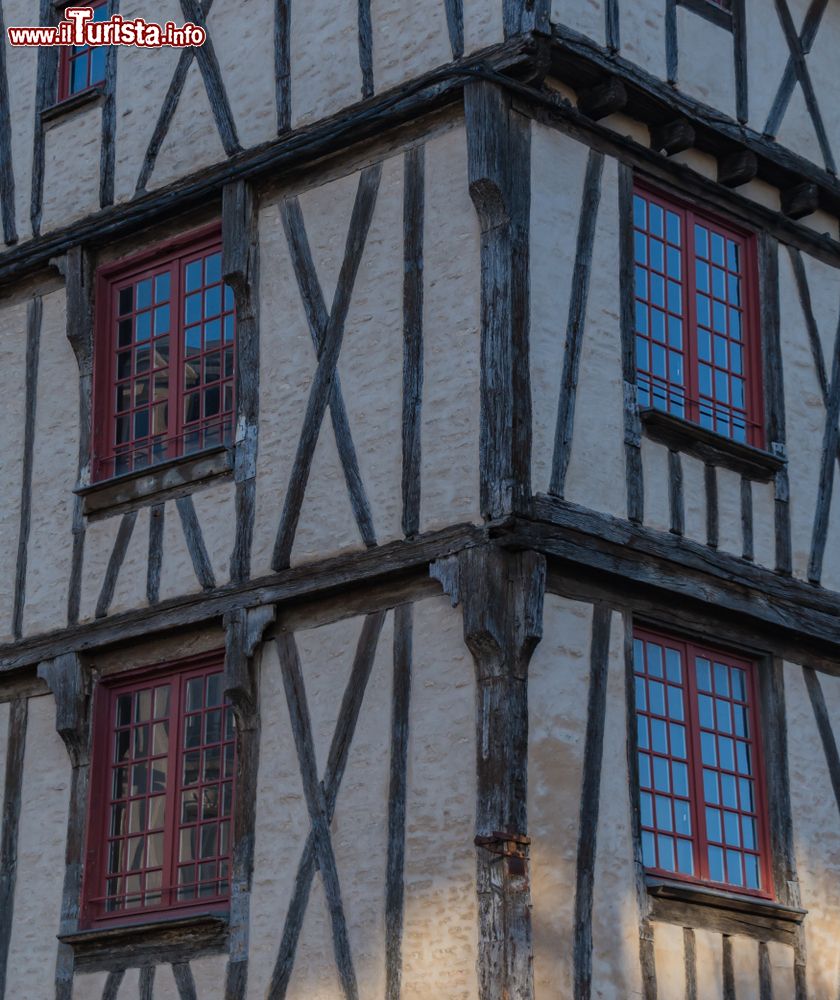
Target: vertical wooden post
{"x":498,"y":142}
{"x":502,"y":597}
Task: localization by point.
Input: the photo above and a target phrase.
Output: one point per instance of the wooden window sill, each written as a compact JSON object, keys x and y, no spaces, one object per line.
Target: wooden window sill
{"x":164,"y":481}
{"x":699,"y":906}
{"x":682,"y":435}
{"x":84,"y":99}
{"x":168,"y":939}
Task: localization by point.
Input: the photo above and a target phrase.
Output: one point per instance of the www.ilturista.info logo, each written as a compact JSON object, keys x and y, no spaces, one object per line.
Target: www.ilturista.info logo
{"x":80,"y":28}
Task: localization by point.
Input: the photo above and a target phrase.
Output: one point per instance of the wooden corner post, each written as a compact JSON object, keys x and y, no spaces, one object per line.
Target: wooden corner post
{"x":502,"y":598}
{"x":498,"y":143}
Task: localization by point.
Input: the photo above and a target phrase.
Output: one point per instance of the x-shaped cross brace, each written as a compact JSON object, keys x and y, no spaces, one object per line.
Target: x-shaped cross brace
{"x":196,"y":12}
{"x":327,"y":334}
{"x":320,"y":800}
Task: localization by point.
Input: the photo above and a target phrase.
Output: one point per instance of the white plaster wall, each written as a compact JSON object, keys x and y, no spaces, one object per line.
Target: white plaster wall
{"x":616,"y":971}
{"x":558,"y":684}
{"x":408,"y":40}
{"x":730,"y":529}
{"x":587,"y":17}
{"x":440,"y":923}
{"x":21,"y":67}
{"x":90,"y":986}
{"x":12,"y":366}
{"x":99,"y":543}
{"x":41,"y":842}
{"x":764,"y":520}
{"x":449,"y":476}
{"x":655,"y":476}
{"x":208,"y":974}
{"x":669,"y":959}
{"x":54,"y":466}
{"x":215,"y":509}
{"x":482,"y":23}
{"x":804,"y":408}
{"x":71,"y":151}
{"x":815,"y":828}
{"x":706,"y":68}
{"x":694,"y":498}
{"x":642,"y":31}
{"x":709,"y":956}
{"x":745,"y":967}
{"x":558,"y":165}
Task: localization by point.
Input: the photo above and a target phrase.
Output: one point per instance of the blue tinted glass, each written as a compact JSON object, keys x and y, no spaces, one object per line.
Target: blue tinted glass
{"x":661,"y":775}
{"x":639,"y":214}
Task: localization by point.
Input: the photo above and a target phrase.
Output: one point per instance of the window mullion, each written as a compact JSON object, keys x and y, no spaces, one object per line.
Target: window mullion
{"x":691,"y":336}
{"x":698,"y":797}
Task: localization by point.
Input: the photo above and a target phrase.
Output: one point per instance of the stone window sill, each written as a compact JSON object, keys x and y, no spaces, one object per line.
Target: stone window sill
{"x":681,"y":435}
{"x":84,"y":99}
{"x":165,"y":940}
{"x":699,"y":906}
{"x":165,"y":481}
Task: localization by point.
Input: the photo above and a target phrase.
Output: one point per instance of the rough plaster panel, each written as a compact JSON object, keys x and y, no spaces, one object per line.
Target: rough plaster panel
{"x":669,"y":958}
{"x":745,"y":967}
{"x":585,"y":16}
{"x":208,"y":973}
{"x":99,"y":543}
{"x":12,"y":365}
{"x":781,"y":964}
{"x":130,"y":591}
{"x":216,"y":511}
{"x":90,"y":985}
{"x":408,"y":40}
{"x":558,"y":681}
{"x":55,"y":458}
{"x":4,"y":736}
{"x":41,"y":840}
{"x":702,"y":163}
{"x":599,"y":410}
{"x":767,"y":55}
{"x":247,"y":26}
{"x":822,"y":222}
{"x":192,"y":141}
{"x":143,"y":78}
{"x":656,"y":478}
{"x":65,"y":198}
{"x":764,"y":194}
{"x":730,"y":532}
{"x":816,"y":835}
{"x":764,"y":524}
{"x":804,"y":417}
{"x":615,"y":914}
{"x":360,"y":824}
{"x":177,"y":576}
{"x":325,"y":71}
{"x":706,"y":61}
{"x":315,"y":974}
{"x":21,"y":71}
{"x":628,"y":127}
{"x":709,"y":953}
{"x":451,"y":339}
{"x":694,"y":498}
{"x":558,"y":164}
{"x":371,"y":360}
{"x":642,"y":28}
{"x":440,"y":929}
{"x":482,"y":23}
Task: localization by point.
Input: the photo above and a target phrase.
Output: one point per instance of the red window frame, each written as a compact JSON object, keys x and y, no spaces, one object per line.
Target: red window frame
{"x":697,"y":337}
{"x":158,"y":407}
{"x":71,"y":56}
{"x":157,"y":841}
{"x":719,"y":812}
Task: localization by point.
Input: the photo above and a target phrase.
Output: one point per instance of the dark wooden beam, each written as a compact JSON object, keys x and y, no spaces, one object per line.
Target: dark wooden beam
{"x":412,"y":396}
{"x":673,"y":137}
{"x":603,"y":99}
{"x":7,"y":173}
{"x":800,"y":200}
{"x":737,"y":168}
{"x":9,"y":824}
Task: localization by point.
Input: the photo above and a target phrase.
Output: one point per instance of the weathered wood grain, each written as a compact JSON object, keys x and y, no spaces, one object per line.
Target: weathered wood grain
{"x":184,"y":981}
{"x":282,"y":64}
{"x":612,"y":25}
{"x":241,"y":271}
{"x":825,"y":729}
{"x":318,"y":319}
{"x":365,"y":36}
{"x":412,"y":401}
{"x":747,"y":549}
{"x":319,"y":812}
{"x":157,"y":513}
{"x":108,"y":149}
{"x":712,"y":514}
{"x":112,"y":985}
{"x":7,"y":172}
{"x":690,"y":952}
{"x":739,"y":32}
{"x":807,"y":36}
{"x":498,"y":152}
{"x":576,"y":321}
{"x":728,"y":969}
{"x":46,"y":91}
{"x":830,"y":445}
{"x":455,"y":25}
{"x":147,"y":982}
{"x":502,"y":600}
{"x":195,"y":542}
{"x":34,"y":312}
{"x":632,"y":423}
{"x":765,"y":972}
{"x":115,"y":561}
{"x":324,"y":380}
{"x":676,"y":502}
{"x":15,"y":746}
{"x":672,"y":48}
{"x":397,"y":791}
{"x":336,"y":762}
{"x":590,"y":800}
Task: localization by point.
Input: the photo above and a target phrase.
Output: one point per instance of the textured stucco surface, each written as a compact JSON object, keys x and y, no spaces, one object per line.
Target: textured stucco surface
{"x":440,"y":921}
{"x":40,"y":862}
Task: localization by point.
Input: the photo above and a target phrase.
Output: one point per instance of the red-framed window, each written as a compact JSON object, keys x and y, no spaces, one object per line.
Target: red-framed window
{"x":701,"y":786}
{"x":165,"y":357}
{"x":82,"y":67}
{"x":697,"y":337}
{"x":162,"y":794}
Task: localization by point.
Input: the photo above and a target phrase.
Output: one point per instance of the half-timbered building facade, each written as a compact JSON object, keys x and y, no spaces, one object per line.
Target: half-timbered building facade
{"x":418,"y":476}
